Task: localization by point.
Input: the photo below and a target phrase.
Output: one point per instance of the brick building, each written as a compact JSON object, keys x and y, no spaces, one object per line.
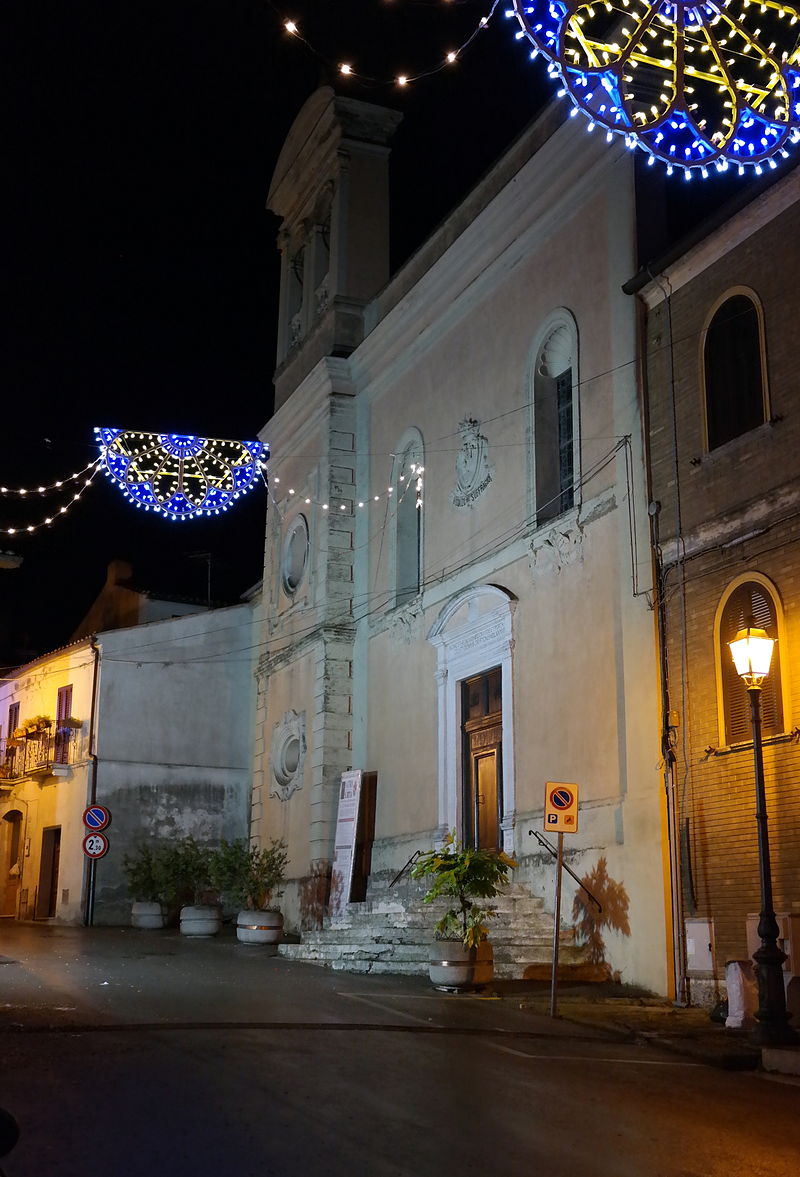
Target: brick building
{"x":723,"y":384}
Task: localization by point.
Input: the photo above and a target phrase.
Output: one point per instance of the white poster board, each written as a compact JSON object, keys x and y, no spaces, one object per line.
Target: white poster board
{"x":345,"y":840}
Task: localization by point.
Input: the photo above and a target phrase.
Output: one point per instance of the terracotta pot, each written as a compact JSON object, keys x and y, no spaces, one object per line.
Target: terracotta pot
{"x":259,"y":927}
{"x":457,"y":969}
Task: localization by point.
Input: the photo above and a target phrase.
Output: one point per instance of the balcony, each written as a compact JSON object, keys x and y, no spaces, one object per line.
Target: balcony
{"x":46,"y":753}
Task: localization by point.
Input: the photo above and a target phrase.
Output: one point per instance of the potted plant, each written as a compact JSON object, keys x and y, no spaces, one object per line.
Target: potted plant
{"x":35,"y":726}
{"x":461,"y":957}
{"x":70,"y":724}
{"x":253,"y":877}
{"x":143,"y":870}
{"x":186,"y":867}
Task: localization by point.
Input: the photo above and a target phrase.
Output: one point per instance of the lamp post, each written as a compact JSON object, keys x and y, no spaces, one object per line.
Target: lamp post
{"x":752,"y":654}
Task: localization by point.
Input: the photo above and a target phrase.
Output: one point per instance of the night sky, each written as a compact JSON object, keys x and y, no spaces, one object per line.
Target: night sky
{"x":141,"y":271}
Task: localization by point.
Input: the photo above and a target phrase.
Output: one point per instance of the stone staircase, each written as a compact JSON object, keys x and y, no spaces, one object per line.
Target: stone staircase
{"x":392,"y":932}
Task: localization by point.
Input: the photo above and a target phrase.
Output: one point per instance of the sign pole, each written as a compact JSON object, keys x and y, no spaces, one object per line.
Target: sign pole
{"x":560,"y":816}
{"x":556,"y":926}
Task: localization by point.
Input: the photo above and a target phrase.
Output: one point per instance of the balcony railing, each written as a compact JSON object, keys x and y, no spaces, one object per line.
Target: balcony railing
{"x":38,"y":754}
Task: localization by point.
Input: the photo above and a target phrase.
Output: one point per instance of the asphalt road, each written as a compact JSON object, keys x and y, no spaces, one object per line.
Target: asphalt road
{"x":127,"y":1054}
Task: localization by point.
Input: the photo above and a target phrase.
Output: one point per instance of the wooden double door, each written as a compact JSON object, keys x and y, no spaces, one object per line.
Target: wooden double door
{"x":482,"y":741}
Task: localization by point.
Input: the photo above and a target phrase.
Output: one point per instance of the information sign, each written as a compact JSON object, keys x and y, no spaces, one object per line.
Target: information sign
{"x":345,"y":840}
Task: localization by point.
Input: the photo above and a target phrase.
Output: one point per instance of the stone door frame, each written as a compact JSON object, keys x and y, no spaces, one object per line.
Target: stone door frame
{"x":468,"y":648}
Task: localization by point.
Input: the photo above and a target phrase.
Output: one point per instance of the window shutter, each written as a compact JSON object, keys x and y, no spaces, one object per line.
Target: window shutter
{"x":62,"y":738}
{"x":749,"y":600}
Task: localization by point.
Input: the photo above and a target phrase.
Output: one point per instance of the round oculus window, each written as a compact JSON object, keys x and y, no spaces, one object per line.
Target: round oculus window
{"x":287,"y":760}
{"x":294,"y":559}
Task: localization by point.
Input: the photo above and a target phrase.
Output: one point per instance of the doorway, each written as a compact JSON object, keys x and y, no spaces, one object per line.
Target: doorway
{"x":11,"y":862}
{"x":482,"y":734}
{"x":47,"y":895}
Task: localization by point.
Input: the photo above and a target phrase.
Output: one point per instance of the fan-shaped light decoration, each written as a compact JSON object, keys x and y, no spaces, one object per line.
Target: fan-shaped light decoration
{"x":179,"y":475}
{"x":695,"y":85}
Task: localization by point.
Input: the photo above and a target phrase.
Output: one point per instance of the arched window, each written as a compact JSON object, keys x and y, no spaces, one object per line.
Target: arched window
{"x":407,"y":487}
{"x":554,"y":420}
{"x":751,"y":600}
{"x":734,"y":370}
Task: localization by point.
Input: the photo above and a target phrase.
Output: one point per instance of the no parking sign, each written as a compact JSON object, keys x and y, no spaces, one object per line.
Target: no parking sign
{"x":96,"y":817}
{"x":561,"y":808}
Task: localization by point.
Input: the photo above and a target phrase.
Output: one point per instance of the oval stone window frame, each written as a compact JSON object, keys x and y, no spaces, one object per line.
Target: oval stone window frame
{"x":294,"y":555}
{"x":287,"y":754}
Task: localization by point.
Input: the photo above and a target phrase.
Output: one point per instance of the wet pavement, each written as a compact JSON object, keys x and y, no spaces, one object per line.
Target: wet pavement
{"x":129,"y":1053}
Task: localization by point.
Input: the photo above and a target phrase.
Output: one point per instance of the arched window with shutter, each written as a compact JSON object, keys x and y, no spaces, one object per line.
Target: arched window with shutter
{"x":406,"y":554}
{"x":749,"y":600}
{"x":553,"y":383}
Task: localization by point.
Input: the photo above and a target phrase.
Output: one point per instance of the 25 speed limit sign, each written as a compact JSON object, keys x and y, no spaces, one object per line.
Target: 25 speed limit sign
{"x":95,"y":845}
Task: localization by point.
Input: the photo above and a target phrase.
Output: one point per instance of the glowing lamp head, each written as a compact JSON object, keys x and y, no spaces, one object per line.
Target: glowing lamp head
{"x":752,"y":654}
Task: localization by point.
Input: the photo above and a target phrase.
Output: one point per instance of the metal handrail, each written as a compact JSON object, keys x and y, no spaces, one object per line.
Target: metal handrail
{"x":403,"y":869}
{"x":543,"y":842}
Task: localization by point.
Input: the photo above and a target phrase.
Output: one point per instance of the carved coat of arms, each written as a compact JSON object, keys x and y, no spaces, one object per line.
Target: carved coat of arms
{"x":473,"y":472}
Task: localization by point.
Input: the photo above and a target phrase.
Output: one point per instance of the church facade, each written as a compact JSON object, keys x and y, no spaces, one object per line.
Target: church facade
{"x":457,"y":584}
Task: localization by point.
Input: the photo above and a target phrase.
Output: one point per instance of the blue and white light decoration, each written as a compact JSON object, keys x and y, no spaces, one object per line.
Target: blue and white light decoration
{"x":178,"y":475}
{"x":697,"y":86}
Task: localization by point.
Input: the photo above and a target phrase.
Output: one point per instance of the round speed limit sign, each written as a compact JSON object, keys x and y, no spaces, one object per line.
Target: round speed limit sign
{"x":95,"y":845}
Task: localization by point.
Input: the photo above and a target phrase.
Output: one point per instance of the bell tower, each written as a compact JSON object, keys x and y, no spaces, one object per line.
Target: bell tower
{"x":331,"y":190}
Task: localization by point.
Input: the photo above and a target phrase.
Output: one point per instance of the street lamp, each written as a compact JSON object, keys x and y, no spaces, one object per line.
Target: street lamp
{"x":752,"y":654}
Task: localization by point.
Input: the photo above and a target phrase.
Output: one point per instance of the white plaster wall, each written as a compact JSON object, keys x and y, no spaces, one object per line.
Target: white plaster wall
{"x":174,"y":737}
{"x":289,"y":688}
{"x":458,"y":342}
{"x":584,"y":662}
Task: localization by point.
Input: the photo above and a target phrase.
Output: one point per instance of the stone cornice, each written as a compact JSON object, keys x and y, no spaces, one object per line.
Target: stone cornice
{"x":735,"y":232}
{"x":325,"y":632}
{"x":481,"y":243}
{"x":307,"y":409}
{"x":735,"y":526}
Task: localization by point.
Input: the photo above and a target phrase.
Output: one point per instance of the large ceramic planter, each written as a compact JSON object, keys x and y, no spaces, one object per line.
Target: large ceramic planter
{"x":259,"y":927}
{"x":200,"y":920}
{"x":457,"y":969}
{"x":147,"y":915}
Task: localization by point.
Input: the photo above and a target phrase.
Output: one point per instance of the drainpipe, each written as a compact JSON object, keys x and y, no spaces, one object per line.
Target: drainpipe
{"x":668,"y":736}
{"x":91,"y":868}
{"x":667,"y":730}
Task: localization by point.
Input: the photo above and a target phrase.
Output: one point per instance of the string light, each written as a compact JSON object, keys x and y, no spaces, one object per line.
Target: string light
{"x":411,"y":482}
{"x":346,"y":69}
{"x":50,"y":519}
{"x":43,"y":490}
{"x":661,"y":74}
{"x":180,"y":476}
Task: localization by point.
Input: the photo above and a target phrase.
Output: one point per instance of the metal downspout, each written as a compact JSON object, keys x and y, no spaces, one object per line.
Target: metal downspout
{"x":91,"y":867}
{"x":668,"y":755}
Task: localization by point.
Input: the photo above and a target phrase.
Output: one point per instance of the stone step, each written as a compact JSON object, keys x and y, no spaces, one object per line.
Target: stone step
{"x":413,"y":959}
{"x":515,"y":906}
{"x":408,"y":889}
{"x":426,"y":921}
{"x":392,"y":932}
{"x":348,"y":938}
